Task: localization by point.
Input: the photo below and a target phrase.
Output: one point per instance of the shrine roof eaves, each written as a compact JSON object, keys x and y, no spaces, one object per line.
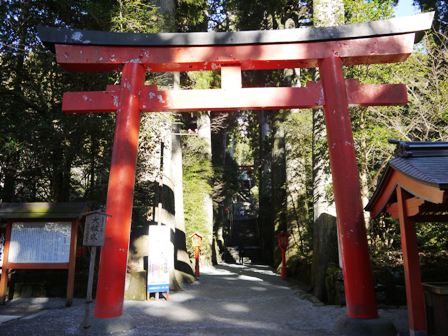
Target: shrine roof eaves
{"x":42,"y":210}
{"x":417,"y":23}
{"x":424,"y":162}
{"x":429,"y":170}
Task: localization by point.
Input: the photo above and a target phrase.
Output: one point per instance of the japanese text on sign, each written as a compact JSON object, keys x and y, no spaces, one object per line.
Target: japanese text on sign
{"x":94,"y":229}
{"x":40,"y":242}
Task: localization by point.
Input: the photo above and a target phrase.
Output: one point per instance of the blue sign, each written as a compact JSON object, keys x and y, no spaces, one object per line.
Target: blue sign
{"x":158,"y":288}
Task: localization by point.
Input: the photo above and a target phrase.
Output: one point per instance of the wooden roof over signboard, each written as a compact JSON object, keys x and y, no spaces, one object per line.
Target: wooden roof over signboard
{"x":42,"y":210}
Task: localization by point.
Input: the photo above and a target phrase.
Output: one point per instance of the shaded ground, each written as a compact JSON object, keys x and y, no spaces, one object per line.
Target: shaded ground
{"x":228,"y":300}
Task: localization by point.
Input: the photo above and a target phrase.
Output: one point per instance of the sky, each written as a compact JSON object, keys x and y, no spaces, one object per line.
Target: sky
{"x":405,"y":8}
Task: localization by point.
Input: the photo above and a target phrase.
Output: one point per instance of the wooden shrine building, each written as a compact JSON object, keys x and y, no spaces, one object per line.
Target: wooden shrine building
{"x":414,"y":189}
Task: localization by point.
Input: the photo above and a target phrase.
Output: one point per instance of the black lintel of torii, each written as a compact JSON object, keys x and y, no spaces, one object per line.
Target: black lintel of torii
{"x":401,"y":25}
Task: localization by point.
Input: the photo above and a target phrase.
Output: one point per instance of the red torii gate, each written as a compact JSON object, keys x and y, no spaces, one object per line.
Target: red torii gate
{"x":326,"y":48}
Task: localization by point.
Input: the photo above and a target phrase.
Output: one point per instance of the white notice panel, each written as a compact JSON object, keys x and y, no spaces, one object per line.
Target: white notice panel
{"x":40,"y":242}
{"x":2,"y":247}
{"x":160,"y":256}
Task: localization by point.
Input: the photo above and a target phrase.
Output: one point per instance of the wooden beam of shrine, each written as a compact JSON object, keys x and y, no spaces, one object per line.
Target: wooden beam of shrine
{"x":431,"y":218}
{"x":423,"y":191}
{"x":233,"y":99}
{"x":370,"y":50}
{"x":412,"y":207}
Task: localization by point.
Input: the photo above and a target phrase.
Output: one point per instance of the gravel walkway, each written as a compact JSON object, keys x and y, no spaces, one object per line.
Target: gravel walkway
{"x":228,"y":300}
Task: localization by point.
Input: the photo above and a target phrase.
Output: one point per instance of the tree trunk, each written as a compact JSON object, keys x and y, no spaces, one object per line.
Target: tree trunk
{"x":204,"y":132}
{"x":183,"y":271}
{"x":219,"y":146}
{"x":279,"y":195}
{"x":60,"y":185}
{"x":325,"y":251}
{"x":8,"y":193}
{"x":266,"y":223}
{"x":9,"y":186}
{"x":364,"y":169}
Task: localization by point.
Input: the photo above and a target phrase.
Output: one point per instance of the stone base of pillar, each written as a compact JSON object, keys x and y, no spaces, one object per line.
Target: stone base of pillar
{"x":107,"y":326}
{"x":347,"y":326}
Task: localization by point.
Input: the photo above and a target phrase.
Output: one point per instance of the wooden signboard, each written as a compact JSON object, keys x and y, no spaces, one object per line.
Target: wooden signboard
{"x":94,"y":229}
{"x":37,"y":244}
{"x":40,"y":243}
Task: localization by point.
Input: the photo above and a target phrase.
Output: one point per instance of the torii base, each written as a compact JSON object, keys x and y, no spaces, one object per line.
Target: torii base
{"x":347,"y":326}
{"x":107,"y":326}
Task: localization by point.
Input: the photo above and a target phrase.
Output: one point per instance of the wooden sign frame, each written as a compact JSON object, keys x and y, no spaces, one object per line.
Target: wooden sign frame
{"x":70,"y":265}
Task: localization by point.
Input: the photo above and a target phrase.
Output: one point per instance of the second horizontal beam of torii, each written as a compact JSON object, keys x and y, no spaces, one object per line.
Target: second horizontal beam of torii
{"x":154,"y":100}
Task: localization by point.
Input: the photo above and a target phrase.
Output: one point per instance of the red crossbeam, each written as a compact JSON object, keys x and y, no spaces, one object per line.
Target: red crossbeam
{"x":154,"y":100}
{"x":383,"y":49}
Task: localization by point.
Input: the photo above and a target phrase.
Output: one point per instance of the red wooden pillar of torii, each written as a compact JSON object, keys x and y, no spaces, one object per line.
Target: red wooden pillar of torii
{"x":326,"y":48}
{"x":109,"y":296}
{"x":357,"y":271}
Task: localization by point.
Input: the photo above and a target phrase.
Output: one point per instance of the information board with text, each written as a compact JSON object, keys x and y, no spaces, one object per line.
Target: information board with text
{"x":40,"y":242}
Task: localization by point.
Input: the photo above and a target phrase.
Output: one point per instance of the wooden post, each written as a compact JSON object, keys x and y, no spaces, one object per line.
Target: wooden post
{"x":114,"y":254}
{"x":72,"y":264}
{"x":283,"y":270}
{"x":5,"y":268}
{"x":358,"y":282}
{"x":91,"y":273}
{"x":86,"y":323}
{"x":197,"y":253}
{"x":414,"y":289}
{"x":283,"y":242}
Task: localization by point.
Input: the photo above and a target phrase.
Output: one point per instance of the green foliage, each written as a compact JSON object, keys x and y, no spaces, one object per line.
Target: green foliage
{"x":433,"y":237}
{"x":244,"y":153}
{"x":202,"y":80}
{"x":154,"y":132}
{"x":422,"y":119}
{"x":384,"y":238}
{"x":241,"y":140}
{"x":139,"y":16}
{"x":191,"y":15}
{"x":136,"y":16}
{"x":267,"y":14}
{"x":357,"y":11}
{"x":46,"y":155}
{"x":298,"y":137}
{"x":198,"y":172}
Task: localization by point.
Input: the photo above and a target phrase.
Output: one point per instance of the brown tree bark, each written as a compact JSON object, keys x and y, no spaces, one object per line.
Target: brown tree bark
{"x":325,"y":247}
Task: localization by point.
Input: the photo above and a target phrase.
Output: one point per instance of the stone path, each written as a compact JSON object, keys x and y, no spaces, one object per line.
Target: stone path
{"x":228,"y":300}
